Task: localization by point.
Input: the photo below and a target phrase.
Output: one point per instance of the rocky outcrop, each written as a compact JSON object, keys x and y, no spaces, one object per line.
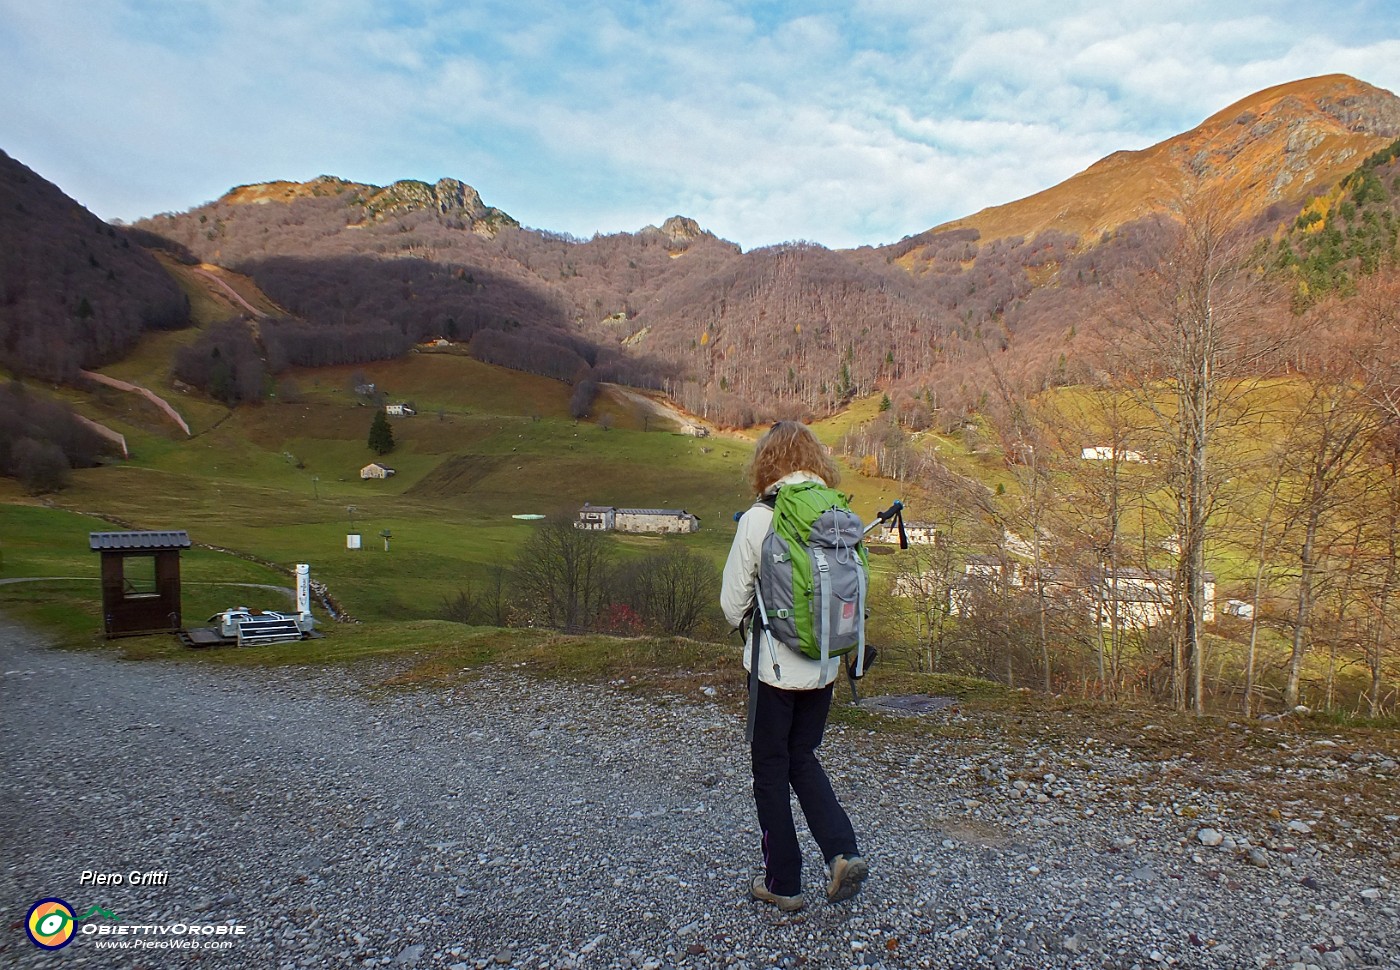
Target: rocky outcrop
{"x":679,"y":231}
{"x":448,"y":197}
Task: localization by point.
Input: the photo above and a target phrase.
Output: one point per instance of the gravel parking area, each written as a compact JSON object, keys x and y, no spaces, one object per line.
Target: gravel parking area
{"x":524,"y":823}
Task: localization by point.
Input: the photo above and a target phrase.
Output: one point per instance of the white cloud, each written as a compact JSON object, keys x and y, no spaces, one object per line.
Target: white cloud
{"x":820,"y":122}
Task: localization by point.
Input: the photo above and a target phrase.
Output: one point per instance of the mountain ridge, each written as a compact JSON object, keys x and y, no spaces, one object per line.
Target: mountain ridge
{"x":1320,"y":127}
{"x":365,"y":271}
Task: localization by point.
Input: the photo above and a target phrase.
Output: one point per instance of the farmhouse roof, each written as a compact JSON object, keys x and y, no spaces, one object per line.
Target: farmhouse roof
{"x":139,"y":541}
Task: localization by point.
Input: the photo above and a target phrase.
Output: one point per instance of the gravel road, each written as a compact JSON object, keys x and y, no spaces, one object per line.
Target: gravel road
{"x":512,"y":822}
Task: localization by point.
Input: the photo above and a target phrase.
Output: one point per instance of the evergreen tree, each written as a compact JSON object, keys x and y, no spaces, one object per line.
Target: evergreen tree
{"x":381,"y":436}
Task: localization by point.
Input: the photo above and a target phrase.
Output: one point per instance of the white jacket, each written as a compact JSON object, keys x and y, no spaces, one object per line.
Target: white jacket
{"x":778,"y":664}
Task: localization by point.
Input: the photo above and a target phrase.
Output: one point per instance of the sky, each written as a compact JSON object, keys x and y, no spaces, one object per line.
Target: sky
{"x":838,"y":123}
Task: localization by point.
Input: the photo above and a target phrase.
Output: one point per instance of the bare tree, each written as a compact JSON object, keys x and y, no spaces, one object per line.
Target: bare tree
{"x":915,"y":614}
{"x":1334,"y":427}
{"x":561,"y":574}
{"x":1180,"y":331}
{"x":1382,"y":583}
{"x":1101,"y":496}
{"x":672,"y":591}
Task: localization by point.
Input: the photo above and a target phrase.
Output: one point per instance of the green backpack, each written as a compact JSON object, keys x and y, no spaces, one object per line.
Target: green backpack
{"x":814,"y":573}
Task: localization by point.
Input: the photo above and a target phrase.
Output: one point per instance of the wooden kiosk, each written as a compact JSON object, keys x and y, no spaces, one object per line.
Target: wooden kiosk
{"x":140,"y":581}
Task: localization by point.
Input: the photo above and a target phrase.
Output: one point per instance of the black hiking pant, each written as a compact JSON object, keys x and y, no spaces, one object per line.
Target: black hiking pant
{"x":788,"y":728}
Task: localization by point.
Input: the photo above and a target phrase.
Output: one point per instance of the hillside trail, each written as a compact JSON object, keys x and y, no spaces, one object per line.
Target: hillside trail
{"x":330,"y":820}
{"x":666,"y":409}
{"x":205,"y":273}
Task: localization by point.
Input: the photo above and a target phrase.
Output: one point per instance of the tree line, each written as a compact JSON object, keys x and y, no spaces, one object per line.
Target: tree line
{"x":575,"y":580}
{"x":75,"y":292}
{"x":1238,"y":444}
{"x":41,"y":440}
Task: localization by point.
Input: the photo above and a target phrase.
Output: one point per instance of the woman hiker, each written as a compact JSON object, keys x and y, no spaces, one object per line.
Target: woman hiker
{"x":793,"y":695}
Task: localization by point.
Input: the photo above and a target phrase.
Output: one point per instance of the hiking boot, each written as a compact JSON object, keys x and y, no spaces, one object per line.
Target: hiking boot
{"x":788,"y":904}
{"x":847,"y":873}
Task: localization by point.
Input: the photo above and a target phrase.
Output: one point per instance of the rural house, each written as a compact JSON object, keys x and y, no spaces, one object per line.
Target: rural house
{"x":918,"y":533}
{"x":606,"y":518}
{"x":398,"y":410}
{"x":595,"y":518}
{"x":1106,"y":453}
{"x":375,"y":470}
{"x":1140,"y":598}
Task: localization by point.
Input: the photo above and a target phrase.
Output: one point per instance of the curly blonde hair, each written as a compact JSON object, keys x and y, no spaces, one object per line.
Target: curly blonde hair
{"x":787,"y":447}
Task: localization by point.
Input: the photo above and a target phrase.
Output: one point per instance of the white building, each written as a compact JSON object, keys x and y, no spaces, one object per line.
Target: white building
{"x":1106,"y":453}
{"x":918,"y":533}
{"x":982,"y":575}
{"x":398,"y":410}
{"x":1240,"y":608}
{"x":375,"y":470}
{"x":1140,"y":598}
{"x":595,"y":518}
{"x":605,"y":518}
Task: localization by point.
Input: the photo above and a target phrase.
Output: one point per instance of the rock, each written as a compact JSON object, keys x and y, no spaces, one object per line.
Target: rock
{"x":1299,"y":827}
{"x":1258,"y":857}
{"x":410,"y":955}
{"x":1209,"y":837}
{"x":1371,"y":894}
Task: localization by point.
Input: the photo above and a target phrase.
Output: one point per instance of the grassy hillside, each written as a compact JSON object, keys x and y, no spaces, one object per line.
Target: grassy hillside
{"x":280,"y":482}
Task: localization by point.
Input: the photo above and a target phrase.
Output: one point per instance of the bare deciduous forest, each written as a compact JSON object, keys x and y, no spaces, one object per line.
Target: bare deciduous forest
{"x":1236,"y":382}
{"x":74,"y":291}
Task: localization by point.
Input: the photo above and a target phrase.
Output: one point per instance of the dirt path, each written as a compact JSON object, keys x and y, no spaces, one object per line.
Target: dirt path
{"x":165,"y":407}
{"x":228,"y":291}
{"x":667,"y":410}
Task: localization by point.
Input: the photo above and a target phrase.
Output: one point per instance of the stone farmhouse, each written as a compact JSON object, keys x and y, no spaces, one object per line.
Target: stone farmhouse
{"x":607,"y":518}
{"x":398,"y":410}
{"x":375,"y":470}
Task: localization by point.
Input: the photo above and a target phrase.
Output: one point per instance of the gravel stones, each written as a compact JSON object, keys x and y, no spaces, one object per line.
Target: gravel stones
{"x":513,"y":822}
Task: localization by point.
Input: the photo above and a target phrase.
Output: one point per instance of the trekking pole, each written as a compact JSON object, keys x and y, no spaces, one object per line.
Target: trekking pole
{"x":895,"y":512}
{"x":757,"y":629}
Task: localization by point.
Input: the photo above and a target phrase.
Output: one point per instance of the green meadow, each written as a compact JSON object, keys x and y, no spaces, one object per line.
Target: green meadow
{"x":279,"y":483}
{"x":262,"y":487}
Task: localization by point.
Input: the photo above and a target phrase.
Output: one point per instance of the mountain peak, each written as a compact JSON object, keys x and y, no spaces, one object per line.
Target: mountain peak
{"x":679,"y":230}
{"x":447,"y":197}
{"x":1278,"y":145}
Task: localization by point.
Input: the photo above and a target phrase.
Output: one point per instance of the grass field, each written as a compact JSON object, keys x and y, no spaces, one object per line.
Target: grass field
{"x":278,"y":483}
